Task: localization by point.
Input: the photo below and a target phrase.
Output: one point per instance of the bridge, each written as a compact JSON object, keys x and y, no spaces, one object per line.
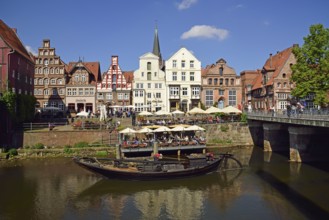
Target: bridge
{"x":302,"y":137}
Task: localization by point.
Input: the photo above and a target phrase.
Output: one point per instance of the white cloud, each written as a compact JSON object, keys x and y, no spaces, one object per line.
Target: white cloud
{"x":205,"y":31}
{"x":185,"y":4}
{"x":31,"y":50}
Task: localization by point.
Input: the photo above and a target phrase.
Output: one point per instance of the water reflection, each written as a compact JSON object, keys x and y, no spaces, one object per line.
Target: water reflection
{"x":178,"y":199}
{"x":269,"y":187}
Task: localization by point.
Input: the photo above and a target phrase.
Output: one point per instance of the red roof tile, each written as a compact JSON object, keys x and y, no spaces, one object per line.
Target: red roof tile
{"x":129,"y":76}
{"x":10,"y":37}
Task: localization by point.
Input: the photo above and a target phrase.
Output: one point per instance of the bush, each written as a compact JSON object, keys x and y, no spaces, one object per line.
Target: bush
{"x":81,"y":144}
{"x":39,"y":146}
{"x":243,"y":118}
{"x":12,"y":152}
{"x":101,"y":153}
{"x":224,"y":128}
{"x":68,"y":150}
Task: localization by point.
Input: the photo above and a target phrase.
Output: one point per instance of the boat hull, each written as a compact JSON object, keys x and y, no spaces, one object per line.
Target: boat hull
{"x":149,"y":175}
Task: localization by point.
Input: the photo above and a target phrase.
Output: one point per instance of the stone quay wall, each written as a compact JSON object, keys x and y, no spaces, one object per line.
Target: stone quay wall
{"x":228,"y":134}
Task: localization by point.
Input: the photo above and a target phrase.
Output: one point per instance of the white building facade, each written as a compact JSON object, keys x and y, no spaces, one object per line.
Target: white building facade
{"x":149,"y":86}
{"x":183,"y":81}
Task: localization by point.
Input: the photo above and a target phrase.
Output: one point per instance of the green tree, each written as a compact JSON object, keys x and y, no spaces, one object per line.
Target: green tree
{"x":311,"y":71}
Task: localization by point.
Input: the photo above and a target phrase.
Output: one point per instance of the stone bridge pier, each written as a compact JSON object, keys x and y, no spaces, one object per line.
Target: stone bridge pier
{"x":308,"y":144}
{"x":276,"y":137}
{"x":257,"y":132}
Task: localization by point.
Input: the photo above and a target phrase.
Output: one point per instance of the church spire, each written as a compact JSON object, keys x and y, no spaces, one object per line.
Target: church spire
{"x":156,"y":44}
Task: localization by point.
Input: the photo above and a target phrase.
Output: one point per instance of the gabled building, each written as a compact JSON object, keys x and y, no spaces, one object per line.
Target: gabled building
{"x":149,"y":86}
{"x":115,"y":87}
{"x":248,"y":78}
{"x":221,"y":86}
{"x":16,"y":75}
{"x":272,"y":86}
{"x":16,"y":63}
{"x":183,"y":80}
{"x":149,"y":93}
{"x":81,"y":86}
{"x":50,"y":78}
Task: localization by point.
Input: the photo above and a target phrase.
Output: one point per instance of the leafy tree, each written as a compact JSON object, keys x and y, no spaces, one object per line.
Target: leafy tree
{"x":311,"y":71}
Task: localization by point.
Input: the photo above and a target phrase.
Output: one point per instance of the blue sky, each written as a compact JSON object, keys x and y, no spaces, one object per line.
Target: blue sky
{"x":243,"y":32}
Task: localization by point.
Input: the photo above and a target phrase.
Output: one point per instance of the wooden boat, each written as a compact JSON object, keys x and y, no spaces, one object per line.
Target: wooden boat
{"x":151,"y":169}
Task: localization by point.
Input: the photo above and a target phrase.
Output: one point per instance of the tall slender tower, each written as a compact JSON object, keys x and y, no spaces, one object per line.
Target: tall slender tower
{"x":156,"y":47}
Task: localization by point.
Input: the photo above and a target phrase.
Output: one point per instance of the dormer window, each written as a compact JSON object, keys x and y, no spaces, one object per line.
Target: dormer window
{"x":221,"y":69}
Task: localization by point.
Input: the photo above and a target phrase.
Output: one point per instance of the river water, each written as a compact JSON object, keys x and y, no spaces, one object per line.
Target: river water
{"x":269,"y":187}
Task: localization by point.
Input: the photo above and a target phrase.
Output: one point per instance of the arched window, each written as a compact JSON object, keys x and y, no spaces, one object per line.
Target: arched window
{"x":148,"y":65}
{"x":279,"y":85}
{"x":46,"y":81}
{"x":220,"y":81}
{"x":215,"y":81}
{"x":232,"y":82}
{"x":40,"y":81}
{"x":209,"y":81}
{"x":226,"y":82}
{"x":221,"y":70}
{"x":284,"y":75}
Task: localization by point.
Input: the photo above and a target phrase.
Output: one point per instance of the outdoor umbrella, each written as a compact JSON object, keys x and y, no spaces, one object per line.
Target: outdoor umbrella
{"x":127,"y":131}
{"x":194,"y":128}
{"x":177,"y":112}
{"x":196,"y":110}
{"x":162,"y":129}
{"x":145,"y":113}
{"x":83,"y":113}
{"x":230,"y":109}
{"x":212,"y":110}
{"x":162,"y":112}
{"x":145,"y":130}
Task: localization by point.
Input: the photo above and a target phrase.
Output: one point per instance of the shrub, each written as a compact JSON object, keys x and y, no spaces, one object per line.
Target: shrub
{"x":39,"y":146}
{"x":12,"y":152}
{"x":224,"y":128}
{"x":81,"y":144}
{"x":244,"y":118}
{"x":101,"y":153}
{"x":67,"y":150}
{"x":67,"y":146}
{"x":27,"y":147}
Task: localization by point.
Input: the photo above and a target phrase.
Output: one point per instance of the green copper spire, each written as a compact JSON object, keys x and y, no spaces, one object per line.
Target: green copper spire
{"x":156,"y":44}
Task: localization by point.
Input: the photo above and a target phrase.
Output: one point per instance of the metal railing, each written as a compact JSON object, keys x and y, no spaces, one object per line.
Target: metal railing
{"x":308,"y":114}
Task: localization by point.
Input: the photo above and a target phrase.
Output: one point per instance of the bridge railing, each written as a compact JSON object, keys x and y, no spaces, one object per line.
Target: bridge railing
{"x":305,"y":114}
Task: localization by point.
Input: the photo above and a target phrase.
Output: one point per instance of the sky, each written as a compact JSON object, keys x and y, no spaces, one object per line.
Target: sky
{"x":243,"y":32}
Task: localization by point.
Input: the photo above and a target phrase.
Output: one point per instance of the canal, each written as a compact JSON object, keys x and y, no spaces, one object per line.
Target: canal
{"x":269,"y":187}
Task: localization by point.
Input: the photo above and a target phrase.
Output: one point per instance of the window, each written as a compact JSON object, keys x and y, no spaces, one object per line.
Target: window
{"x":149,"y":95}
{"x":191,"y":63}
{"x":54,"y":92}
{"x":191,"y":76}
{"x":142,"y":74}
{"x":174,"y":76}
{"x":139,"y":86}
{"x":158,"y":95}
{"x":160,"y":85}
{"x":62,"y":91}
{"x":232,"y":82}
{"x":139,"y":107}
{"x":35,"y":81}
{"x":87,"y":91}
{"x":156,"y":85}
{"x":221,"y":92}
{"x":92,"y":91}
{"x":221,"y":71}
{"x":141,"y":93}
{"x":149,"y":85}
{"x":195,"y":91}
{"x":69,"y":91}
{"x":76,"y":78}
{"x":174,"y":63}
{"x":45,"y":70}
{"x":155,"y":74}
{"x":120,"y":96}
{"x":215,"y":81}
{"x":284,"y":85}
{"x":148,"y":65}
{"x":109,"y":96}
{"x":46,"y":81}
{"x":183,"y":76}
{"x":149,"y":76}
{"x":232,"y":98}
{"x":221,"y":81}
{"x":210,"y":81}
{"x":284,"y":75}
{"x":174,"y":91}
{"x":126,"y":96}
{"x":53,"y":81}
{"x":60,"y":81}
{"x":183,"y":63}
{"x":81,"y":91}
{"x":46,"y":92}
{"x":209,"y":97}
{"x":46,"y":62}
{"x":226,"y":82}
{"x":184,"y":91}
{"x":83,"y":78}
{"x":136,"y":93}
